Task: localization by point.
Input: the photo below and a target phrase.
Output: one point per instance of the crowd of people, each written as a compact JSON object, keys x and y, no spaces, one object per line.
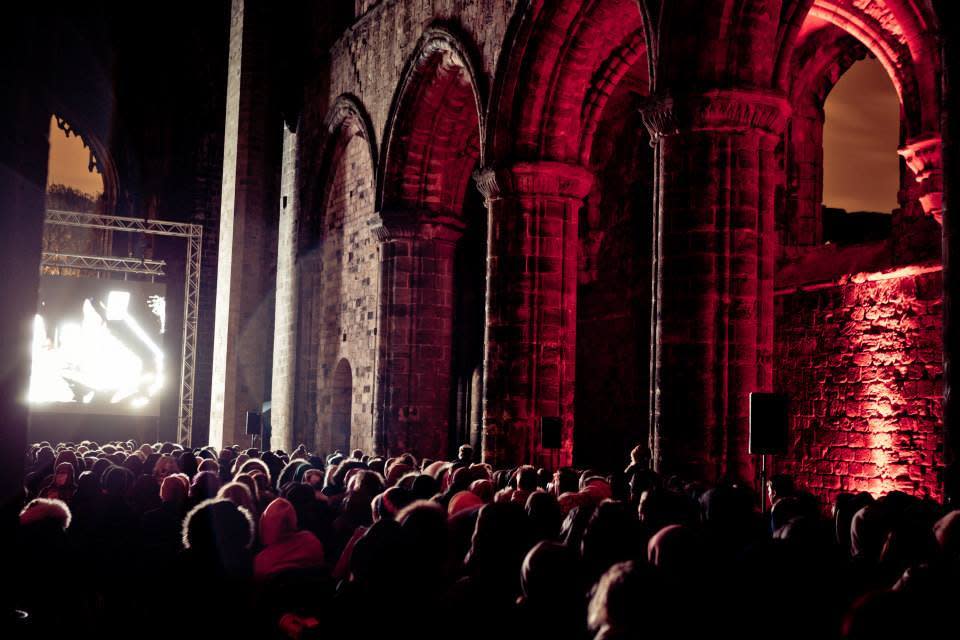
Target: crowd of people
{"x":154,"y":540}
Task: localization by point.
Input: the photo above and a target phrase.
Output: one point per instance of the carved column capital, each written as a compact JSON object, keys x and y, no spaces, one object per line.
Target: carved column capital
{"x":924,"y":157}
{"x":719,"y":110}
{"x":544,"y":179}
{"x":397,"y":223}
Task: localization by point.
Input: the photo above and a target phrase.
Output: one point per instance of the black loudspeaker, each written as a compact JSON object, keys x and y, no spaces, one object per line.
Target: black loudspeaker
{"x":253,"y":423}
{"x":768,"y":423}
{"x":550,"y":429}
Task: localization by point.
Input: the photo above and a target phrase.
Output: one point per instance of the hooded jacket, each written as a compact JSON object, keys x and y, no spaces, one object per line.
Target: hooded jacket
{"x":284,"y":547}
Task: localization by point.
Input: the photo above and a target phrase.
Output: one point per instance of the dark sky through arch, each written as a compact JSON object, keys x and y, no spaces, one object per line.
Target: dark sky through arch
{"x":861,"y":135}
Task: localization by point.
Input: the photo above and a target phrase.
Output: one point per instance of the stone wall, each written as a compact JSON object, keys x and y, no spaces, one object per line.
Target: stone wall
{"x":348,"y":294}
{"x":862,"y":363}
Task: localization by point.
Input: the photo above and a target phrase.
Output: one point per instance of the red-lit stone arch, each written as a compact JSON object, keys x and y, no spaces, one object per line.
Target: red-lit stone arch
{"x":833,"y":35}
{"x":820,"y":59}
{"x":432,"y":139}
{"x":428,"y":223}
{"x":563,"y":63}
{"x":901,"y":35}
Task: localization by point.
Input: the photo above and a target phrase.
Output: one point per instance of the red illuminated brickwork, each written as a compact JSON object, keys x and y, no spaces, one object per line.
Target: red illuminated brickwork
{"x":862,"y":364}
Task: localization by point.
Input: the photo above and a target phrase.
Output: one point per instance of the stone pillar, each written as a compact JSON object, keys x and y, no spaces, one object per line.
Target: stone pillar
{"x":803,"y":218}
{"x":716,"y":179}
{"x":285,"y":324}
{"x":243,"y":331}
{"x":24,"y":149}
{"x":415,"y":333}
{"x":949,"y":14}
{"x":530,"y":345}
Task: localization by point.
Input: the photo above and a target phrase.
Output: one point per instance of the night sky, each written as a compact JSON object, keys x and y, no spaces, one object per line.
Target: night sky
{"x":860,"y":139}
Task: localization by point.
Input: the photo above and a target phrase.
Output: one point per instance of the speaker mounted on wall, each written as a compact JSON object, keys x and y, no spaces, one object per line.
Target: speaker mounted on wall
{"x":253,"y":423}
{"x":551,"y":428}
{"x":768,"y":423}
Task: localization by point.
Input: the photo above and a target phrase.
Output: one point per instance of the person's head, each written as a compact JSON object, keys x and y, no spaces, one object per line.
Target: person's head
{"x":67,"y":455}
{"x":209,"y":464}
{"x":165,"y":466}
{"x":626,"y":602}
{"x":205,"y":485}
{"x":868,"y":532}
{"x":378,"y":555}
{"x":543,"y":512}
{"x":483,"y":489}
{"x":172,"y":490}
{"x":463,"y":501}
{"x":43,"y":512}
{"x":64,"y":476}
{"x":423,"y":525}
{"x":500,"y":540}
{"x":779,"y":486}
{"x":288,"y":473}
{"x":465,"y":454}
{"x":314,"y":478}
{"x":611,"y":536}
{"x":219,"y":534}
{"x":640,"y":456}
{"x":117,"y":481}
{"x":675,"y":549}
{"x":946,"y":531}
{"x":386,"y":505}
{"x":549,"y":576}
{"x":188,"y":463}
{"x":357,"y":454}
{"x":527,"y":478}
{"x":278,"y":522}
{"x":239,"y":494}
{"x":255,"y":464}
{"x":423,"y":486}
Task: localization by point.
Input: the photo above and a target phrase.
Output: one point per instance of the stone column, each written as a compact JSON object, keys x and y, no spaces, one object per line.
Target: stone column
{"x":243,"y":331}
{"x":24,"y":125}
{"x":285,"y":325}
{"x":949,"y":14}
{"x":716,"y":179}
{"x":803,"y":218}
{"x":415,"y":333}
{"x":530,"y":345}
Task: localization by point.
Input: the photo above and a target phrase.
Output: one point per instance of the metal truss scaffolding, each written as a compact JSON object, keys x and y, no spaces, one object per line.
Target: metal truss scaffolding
{"x":193,"y":233}
{"x":103,"y":263}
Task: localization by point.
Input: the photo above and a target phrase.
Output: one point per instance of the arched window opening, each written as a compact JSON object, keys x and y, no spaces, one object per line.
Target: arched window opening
{"x":861,"y":168}
{"x":74,"y":183}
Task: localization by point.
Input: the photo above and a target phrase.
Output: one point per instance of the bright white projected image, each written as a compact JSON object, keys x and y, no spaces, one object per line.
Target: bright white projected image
{"x":97,"y":346}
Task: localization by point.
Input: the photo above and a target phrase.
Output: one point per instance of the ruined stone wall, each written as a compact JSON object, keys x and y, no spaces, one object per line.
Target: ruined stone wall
{"x":348,"y":293}
{"x":862,"y":364}
{"x":368,"y":61}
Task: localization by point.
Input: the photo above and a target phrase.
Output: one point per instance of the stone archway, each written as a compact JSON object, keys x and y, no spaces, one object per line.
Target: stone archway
{"x":564,"y":64}
{"x":432,"y":244}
